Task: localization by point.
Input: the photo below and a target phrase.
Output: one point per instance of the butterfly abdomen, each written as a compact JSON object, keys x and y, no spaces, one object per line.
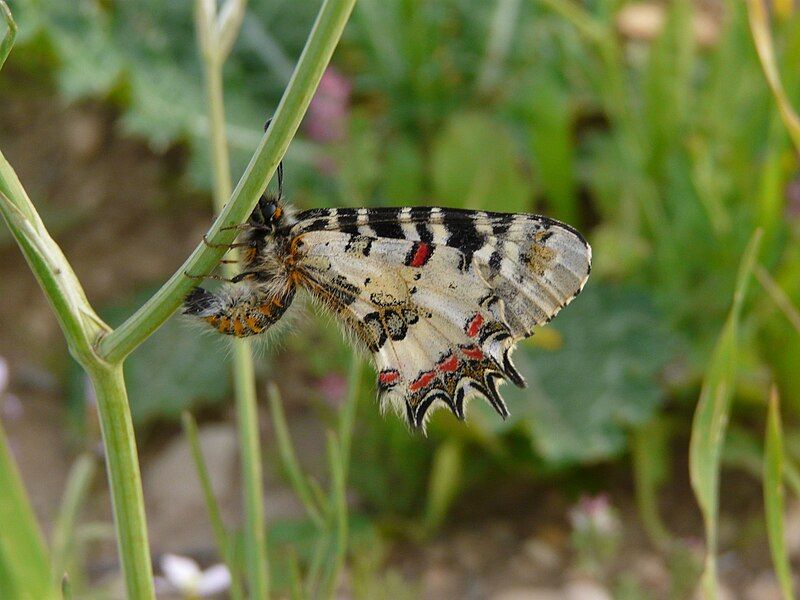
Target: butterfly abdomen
{"x":240,"y":313}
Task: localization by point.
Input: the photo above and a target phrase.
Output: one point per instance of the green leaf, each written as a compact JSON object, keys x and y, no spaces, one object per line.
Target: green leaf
{"x":24,"y":564}
{"x":582,"y":397}
{"x":475,"y":165}
{"x":773,"y":496}
{"x":711,"y":418}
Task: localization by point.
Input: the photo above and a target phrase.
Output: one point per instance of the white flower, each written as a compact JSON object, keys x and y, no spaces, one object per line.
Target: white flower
{"x":184,"y":576}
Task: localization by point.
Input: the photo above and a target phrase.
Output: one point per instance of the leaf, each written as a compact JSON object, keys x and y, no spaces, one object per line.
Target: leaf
{"x":178,"y":368}
{"x":759,"y":25}
{"x":581,"y":398}
{"x":474,"y":165}
{"x":711,"y":418}
{"x":24,"y":565}
{"x":773,"y":496}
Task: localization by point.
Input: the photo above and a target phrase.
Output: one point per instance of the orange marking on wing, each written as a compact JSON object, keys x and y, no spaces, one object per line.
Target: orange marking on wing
{"x":265,"y":309}
{"x":422,"y":381}
{"x":475,"y":325}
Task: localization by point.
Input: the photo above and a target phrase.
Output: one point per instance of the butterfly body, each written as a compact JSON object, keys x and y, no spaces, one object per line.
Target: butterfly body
{"x":438,"y":296}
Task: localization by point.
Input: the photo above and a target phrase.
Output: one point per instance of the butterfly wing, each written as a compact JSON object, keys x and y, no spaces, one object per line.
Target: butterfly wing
{"x":436,"y":334}
{"x":429,"y":294}
{"x":535,"y":264}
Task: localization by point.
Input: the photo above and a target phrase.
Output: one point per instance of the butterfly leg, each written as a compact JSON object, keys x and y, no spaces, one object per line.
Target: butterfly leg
{"x":238,"y":311}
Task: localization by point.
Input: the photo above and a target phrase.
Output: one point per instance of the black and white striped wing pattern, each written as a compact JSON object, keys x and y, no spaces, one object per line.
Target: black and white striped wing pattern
{"x":440,"y":297}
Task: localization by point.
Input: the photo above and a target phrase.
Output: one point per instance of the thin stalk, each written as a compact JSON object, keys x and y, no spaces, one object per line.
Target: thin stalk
{"x":243,"y":373}
{"x":319,"y":48}
{"x":298,"y":480}
{"x":79,"y":482}
{"x":217,"y":526}
{"x":250,"y":449}
{"x":122,"y":467}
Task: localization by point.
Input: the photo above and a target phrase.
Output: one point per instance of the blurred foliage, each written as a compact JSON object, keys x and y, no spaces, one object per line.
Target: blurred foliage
{"x":575,"y":413}
{"x":666,"y":150}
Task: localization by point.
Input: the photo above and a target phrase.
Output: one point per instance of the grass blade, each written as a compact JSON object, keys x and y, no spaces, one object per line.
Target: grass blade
{"x":11,"y":33}
{"x":347,"y":415}
{"x":212,"y":506}
{"x":289,"y":458}
{"x":337,"y":545}
{"x":24,"y":564}
{"x":711,"y":419}
{"x":759,"y":26}
{"x":79,"y":482}
{"x":773,"y":495}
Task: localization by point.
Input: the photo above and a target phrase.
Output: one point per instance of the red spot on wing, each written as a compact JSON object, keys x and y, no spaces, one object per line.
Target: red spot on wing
{"x":474,"y":326}
{"x":448,"y":365}
{"x":388,"y":378}
{"x":421,"y":255}
{"x":472,"y":352}
{"x":422,"y":381}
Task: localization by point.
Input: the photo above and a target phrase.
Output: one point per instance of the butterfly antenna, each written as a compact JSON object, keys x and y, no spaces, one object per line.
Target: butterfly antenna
{"x":280,"y":166}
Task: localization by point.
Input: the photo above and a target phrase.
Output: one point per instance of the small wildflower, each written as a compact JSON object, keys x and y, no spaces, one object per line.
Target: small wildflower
{"x":183,"y":576}
{"x":595,"y":532}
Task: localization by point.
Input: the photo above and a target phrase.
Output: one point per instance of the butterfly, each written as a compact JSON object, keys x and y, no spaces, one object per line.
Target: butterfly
{"x":438,"y":296}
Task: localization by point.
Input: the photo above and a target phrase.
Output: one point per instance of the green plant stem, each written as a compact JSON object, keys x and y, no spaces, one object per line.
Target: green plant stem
{"x":319,"y":48}
{"x":81,"y":326}
{"x":124,"y":479}
{"x":243,"y":373}
{"x":250,"y":450}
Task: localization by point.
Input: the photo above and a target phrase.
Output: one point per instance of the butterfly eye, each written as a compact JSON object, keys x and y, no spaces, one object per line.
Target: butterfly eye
{"x":269,"y":211}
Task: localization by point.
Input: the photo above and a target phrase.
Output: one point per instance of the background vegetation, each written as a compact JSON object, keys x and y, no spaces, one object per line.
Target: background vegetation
{"x":649,"y":126}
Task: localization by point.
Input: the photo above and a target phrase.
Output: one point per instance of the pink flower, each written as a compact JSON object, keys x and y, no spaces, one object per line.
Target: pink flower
{"x":594,"y":513}
{"x":327,"y":114}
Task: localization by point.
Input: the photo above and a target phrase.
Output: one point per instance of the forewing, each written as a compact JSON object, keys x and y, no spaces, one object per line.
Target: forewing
{"x":534,"y":264}
{"x":436,"y":329}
